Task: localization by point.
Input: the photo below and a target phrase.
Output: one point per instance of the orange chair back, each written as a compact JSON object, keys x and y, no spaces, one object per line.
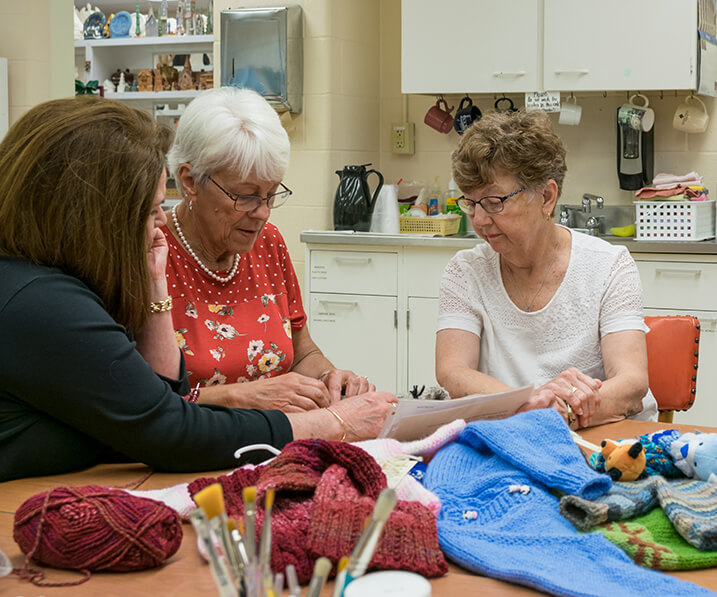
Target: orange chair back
{"x":672,"y":355}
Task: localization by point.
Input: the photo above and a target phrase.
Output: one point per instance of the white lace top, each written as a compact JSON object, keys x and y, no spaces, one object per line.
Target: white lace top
{"x":600,"y":293}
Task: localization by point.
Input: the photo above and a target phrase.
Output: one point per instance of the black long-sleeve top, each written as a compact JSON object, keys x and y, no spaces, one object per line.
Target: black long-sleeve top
{"x":73,"y":387}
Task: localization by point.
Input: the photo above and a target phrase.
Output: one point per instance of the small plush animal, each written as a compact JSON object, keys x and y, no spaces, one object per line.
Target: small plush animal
{"x":624,"y":460}
{"x":695,"y":454}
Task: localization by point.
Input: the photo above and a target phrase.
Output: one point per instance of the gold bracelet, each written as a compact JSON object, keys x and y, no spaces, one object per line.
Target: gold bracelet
{"x":161,"y":306}
{"x":343,"y":423}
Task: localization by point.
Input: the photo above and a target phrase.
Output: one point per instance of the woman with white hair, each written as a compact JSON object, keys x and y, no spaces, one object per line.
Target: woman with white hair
{"x":238,"y":313}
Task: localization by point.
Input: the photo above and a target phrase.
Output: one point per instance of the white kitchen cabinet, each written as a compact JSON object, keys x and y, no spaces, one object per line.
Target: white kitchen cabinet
{"x":459,"y":46}
{"x":421,"y":352}
{"x":104,"y":56}
{"x":357,"y":332}
{"x":616,"y":45}
{"x":687,"y":285}
{"x":558,"y":45}
{"x":374,"y":309}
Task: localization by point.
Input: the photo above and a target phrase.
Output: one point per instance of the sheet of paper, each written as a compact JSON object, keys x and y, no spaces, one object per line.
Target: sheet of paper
{"x":415,"y":419}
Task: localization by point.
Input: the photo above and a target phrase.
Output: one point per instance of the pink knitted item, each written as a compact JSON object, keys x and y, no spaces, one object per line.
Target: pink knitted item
{"x":388,"y":451}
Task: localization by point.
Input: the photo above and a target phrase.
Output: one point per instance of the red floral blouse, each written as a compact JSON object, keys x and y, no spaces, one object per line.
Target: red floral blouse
{"x":241,"y":330}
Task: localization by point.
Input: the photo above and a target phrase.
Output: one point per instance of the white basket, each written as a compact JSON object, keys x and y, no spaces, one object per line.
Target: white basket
{"x":674,"y":220}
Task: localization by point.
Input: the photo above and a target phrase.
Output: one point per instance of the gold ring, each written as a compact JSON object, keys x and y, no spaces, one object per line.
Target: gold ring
{"x":571,"y":415}
{"x":573,"y":390}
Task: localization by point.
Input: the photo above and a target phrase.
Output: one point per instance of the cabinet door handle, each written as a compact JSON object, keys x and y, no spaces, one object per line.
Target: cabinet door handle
{"x":509,"y":73}
{"x":571,"y":71}
{"x":685,"y":272}
{"x":353,"y":260}
{"x":341,"y":303}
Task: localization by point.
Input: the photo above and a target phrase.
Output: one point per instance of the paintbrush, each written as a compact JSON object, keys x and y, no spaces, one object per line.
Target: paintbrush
{"x":340,"y":576}
{"x":211,"y":500}
{"x":217,"y":565}
{"x":292,"y":581}
{"x":322,"y":567}
{"x":366,"y":545}
{"x":249,"y":495}
{"x":265,"y":543}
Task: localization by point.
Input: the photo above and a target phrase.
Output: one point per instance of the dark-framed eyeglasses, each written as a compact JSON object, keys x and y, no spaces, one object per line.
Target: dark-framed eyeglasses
{"x":251,"y":202}
{"x":492,"y":204}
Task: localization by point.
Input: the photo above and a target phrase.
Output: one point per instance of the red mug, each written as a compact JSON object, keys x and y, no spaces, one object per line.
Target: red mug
{"x":439,"y":118}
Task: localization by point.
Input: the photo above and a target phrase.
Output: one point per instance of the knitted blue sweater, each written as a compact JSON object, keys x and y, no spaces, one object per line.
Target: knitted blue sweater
{"x":498,"y":517}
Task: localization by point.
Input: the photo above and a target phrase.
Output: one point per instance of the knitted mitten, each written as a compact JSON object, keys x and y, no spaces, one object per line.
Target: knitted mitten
{"x":398,"y":458}
{"x":408,"y":540}
{"x":651,"y":541}
{"x":498,"y":519}
{"x":623,"y":501}
{"x":691,"y":506}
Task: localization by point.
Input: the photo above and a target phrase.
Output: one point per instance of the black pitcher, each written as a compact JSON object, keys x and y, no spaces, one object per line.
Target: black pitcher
{"x":354,"y":204}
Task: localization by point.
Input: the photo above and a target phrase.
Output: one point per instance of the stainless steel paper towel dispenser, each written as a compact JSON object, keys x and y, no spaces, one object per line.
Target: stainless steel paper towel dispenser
{"x":262,"y":49}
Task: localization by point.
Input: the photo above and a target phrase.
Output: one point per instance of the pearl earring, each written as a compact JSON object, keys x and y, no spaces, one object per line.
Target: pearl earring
{"x":190,"y":205}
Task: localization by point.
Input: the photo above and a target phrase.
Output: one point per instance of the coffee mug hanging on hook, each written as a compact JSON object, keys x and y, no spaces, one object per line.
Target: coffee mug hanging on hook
{"x":639,"y":118}
{"x":504,"y":104}
{"x":439,"y":117}
{"x":466,"y":115}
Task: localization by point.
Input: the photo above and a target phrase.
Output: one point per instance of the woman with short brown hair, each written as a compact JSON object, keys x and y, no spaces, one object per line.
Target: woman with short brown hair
{"x":537,"y":303}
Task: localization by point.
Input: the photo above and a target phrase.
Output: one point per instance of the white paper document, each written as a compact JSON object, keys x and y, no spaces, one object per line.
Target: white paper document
{"x":415,"y":419}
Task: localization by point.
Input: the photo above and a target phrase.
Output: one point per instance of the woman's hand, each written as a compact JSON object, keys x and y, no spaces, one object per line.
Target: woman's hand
{"x":157,"y":252}
{"x":571,"y":387}
{"x":364,"y":414}
{"x":290,"y":393}
{"x":343,"y":381}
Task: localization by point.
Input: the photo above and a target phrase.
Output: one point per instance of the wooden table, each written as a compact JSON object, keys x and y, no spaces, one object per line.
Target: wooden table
{"x":186,"y":574}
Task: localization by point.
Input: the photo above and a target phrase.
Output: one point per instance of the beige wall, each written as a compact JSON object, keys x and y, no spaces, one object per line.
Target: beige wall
{"x":36,"y":38}
{"x":339,"y":121}
{"x":352,"y":68}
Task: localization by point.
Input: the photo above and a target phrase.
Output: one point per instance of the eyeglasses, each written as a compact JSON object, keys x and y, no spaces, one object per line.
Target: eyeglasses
{"x":491,"y":204}
{"x":252,"y":202}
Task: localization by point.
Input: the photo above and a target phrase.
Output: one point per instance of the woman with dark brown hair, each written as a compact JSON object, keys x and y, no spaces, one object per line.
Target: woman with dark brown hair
{"x":89,"y":364}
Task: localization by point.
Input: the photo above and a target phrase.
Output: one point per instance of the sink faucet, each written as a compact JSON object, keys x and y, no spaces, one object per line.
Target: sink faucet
{"x":564,"y":216}
{"x":593,"y":225}
{"x":587,"y":198}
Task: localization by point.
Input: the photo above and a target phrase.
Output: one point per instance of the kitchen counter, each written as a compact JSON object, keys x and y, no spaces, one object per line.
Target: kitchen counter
{"x":347,"y":237}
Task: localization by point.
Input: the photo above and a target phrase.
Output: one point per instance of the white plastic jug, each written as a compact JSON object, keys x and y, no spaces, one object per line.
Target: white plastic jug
{"x":385,"y":218}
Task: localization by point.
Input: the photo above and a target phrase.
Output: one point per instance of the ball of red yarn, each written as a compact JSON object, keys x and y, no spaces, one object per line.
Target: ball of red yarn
{"x":96,"y":528}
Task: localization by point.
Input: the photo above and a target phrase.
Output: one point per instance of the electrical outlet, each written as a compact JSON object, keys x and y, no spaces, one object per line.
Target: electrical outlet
{"x":402,"y":137}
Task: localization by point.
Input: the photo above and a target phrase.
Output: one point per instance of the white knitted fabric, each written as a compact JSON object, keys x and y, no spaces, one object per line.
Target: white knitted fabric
{"x":600,"y":293}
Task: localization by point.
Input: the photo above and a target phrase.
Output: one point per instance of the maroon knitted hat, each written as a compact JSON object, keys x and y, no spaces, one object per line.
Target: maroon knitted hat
{"x":354,"y":479}
{"x":409,"y":540}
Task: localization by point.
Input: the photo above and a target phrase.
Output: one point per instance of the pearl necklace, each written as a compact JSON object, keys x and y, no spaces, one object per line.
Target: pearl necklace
{"x":189,"y":249}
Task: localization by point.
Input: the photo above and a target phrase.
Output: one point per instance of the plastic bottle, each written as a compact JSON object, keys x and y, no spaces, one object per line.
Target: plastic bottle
{"x":436,"y":201}
{"x":452,"y":194}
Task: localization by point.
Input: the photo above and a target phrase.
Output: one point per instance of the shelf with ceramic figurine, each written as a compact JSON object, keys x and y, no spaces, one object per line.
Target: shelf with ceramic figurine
{"x":178,"y":41}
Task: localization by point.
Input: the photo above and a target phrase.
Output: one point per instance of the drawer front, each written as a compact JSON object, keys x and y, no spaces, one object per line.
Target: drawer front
{"x":679,"y":285}
{"x":354,"y":272}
